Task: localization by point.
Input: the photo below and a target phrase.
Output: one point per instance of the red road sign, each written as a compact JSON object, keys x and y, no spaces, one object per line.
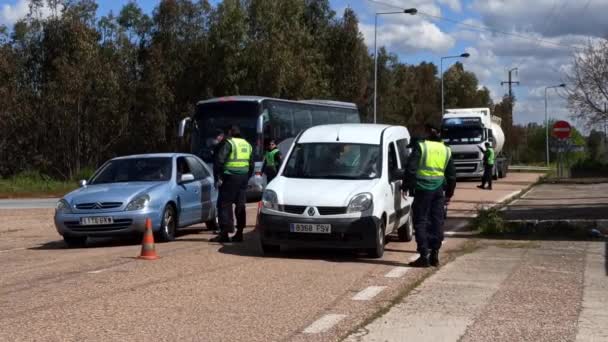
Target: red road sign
{"x":562,"y":130}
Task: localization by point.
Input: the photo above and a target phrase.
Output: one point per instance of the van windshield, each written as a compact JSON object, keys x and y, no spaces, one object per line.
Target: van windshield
{"x":334,"y":161}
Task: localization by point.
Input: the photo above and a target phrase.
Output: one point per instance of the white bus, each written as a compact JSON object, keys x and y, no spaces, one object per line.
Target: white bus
{"x":260,"y":119}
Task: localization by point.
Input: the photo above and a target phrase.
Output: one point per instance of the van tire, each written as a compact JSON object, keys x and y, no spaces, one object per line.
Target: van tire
{"x":378,"y":250}
{"x":405,"y":233}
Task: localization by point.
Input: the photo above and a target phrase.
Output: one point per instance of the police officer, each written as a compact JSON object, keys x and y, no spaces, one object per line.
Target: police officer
{"x":232,"y":169}
{"x":272,"y":160}
{"x":488,"y":166}
{"x":430,"y":176}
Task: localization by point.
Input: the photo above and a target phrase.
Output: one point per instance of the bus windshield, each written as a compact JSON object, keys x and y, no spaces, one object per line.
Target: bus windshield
{"x":212,"y":118}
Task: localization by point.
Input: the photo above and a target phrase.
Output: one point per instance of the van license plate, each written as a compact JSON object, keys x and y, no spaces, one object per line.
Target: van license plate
{"x":93,"y":221}
{"x":310,"y":228}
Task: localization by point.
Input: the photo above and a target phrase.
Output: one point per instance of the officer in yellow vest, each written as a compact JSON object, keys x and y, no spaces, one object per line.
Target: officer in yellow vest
{"x":488,"y":166}
{"x":272,"y":161}
{"x":233,"y":167}
{"x":430,"y":176}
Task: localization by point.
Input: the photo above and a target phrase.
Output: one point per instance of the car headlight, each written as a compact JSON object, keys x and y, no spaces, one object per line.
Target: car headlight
{"x":63,"y":207}
{"x":138,"y":203}
{"x":360,"y":202}
{"x":269,"y":200}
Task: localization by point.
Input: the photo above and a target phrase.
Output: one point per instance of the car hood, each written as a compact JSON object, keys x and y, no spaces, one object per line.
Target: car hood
{"x":112,"y":192}
{"x":319,"y":192}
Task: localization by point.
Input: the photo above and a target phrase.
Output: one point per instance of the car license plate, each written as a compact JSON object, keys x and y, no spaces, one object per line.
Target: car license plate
{"x":310,"y":228}
{"x":93,"y":221}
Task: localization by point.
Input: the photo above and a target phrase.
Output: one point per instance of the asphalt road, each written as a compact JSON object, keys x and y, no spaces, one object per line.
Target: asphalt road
{"x":199,"y":291}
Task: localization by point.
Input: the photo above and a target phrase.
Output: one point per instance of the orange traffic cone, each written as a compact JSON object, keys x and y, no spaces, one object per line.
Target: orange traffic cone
{"x":148,"y":252}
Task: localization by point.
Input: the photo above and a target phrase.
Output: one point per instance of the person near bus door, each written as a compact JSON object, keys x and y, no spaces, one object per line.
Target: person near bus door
{"x":430,"y":176}
{"x":232,"y":169}
{"x":488,"y":166}
{"x":272,"y":160}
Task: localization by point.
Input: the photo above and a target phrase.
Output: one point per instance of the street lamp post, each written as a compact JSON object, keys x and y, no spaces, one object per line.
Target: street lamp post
{"x":547,"y":120}
{"x":464,"y":55}
{"x":411,"y":11}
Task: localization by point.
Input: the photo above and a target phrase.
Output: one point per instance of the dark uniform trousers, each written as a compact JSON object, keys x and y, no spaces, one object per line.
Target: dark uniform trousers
{"x":232,"y":191}
{"x":487,"y":175}
{"x":271,"y":173}
{"x":428,"y":210}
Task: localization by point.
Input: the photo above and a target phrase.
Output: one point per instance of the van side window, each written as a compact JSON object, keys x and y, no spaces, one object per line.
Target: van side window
{"x":404,"y":151}
{"x":392,"y":157}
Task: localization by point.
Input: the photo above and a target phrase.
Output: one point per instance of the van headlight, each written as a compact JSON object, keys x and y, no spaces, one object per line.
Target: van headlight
{"x":63,"y":207}
{"x":360,"y":202}
{"x":269,"y":200}
{"x":138,"y":203}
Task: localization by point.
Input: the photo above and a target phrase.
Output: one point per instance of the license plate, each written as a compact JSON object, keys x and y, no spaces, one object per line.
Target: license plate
{"x":310,"y":228}
{"x":93,"y":221}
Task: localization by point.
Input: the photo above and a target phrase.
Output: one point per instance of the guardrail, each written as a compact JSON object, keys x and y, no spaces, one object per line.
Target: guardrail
{"x":529,"y":168}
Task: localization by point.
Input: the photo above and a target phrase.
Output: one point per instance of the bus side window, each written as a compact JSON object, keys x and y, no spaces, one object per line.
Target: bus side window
{"x":301,"y":119}
{"x":336,"y":116}
{"x":320,"y":116}
{"x":281,"y":121}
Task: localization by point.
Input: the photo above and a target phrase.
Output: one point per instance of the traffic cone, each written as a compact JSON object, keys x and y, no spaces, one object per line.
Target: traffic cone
{"x":148,"y":251}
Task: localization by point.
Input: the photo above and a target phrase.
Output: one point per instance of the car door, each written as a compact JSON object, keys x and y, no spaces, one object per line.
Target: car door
{"x":394,"y":197}
{"x":403,"y":205}
{"x":188,"y":194}
{"x":203,"y":207}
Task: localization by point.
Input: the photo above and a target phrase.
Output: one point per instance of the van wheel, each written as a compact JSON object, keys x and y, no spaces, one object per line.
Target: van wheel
{"x":406,"y":232}
{"x":378,"y":250}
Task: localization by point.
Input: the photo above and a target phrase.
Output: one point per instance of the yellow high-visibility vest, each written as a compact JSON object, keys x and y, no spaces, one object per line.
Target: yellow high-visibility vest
{"x":240,"y":153}
{"x":433,"y":161}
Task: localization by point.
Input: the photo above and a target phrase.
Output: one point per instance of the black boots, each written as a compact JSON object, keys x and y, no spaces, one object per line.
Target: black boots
{"x":222,"y":237}
{"x":422,"y":261}
{"x":434,"y":258}
{"x":238,"y":237}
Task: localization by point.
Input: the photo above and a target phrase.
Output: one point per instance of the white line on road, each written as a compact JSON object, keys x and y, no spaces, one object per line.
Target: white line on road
{"x":397,"y":272}
{"x":12,"y":250}
{"x":98,"y":271}
{"x":369,"y":293}
{"x":324,"y":323}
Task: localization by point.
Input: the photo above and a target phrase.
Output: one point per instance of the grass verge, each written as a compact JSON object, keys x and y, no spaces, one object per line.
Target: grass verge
{"x":34,"y":184}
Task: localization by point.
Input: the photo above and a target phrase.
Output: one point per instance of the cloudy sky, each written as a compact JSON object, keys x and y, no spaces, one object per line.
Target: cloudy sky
{"x":538,"y":37}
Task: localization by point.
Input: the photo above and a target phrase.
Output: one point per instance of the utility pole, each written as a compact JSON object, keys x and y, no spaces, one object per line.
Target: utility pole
{"x":510,"y":83}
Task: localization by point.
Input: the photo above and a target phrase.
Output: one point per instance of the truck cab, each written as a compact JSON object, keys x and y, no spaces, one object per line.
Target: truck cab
{"x":466,"y":131}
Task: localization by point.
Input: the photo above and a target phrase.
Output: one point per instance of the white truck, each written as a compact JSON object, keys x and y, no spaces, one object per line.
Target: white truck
{"x":466,"y":131}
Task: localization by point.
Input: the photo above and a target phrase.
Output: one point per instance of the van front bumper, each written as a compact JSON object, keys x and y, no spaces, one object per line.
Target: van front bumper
{"x":350,"y":233}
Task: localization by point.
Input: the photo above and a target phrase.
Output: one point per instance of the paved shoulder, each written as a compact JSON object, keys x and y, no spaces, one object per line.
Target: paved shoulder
{"x":33,"y":203}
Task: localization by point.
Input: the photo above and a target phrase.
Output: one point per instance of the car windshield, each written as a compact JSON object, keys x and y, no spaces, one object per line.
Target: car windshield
{"x":334,"y":161}
{"x":462,"y":135}
{"x":134,"y":170}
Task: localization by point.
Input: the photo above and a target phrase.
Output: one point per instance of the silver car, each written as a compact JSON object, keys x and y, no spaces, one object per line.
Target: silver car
{"x":173,"y":190}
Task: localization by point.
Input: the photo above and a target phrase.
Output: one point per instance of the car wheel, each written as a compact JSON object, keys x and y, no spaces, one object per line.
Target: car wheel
{"x":406,"y":232}
{"x":378,"y":250}
{"x":270,"y":249}
{"x":168,"y":224}
{"x":75,"y":241}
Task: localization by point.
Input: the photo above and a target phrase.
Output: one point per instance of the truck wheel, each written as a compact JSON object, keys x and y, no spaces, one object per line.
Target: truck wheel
{"x":378,"y":250}
{"x":406,"y":233}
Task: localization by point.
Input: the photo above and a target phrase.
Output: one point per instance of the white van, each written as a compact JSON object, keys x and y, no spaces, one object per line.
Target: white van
{"x":339,"y":187}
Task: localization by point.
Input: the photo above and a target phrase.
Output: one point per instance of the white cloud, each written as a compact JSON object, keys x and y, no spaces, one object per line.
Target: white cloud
{"x":10,"y":14}
{"x":454,"y":5}
{"x":404,"y":39}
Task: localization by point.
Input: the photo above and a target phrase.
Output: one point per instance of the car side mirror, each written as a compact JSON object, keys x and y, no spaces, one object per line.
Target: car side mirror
{"x":397,"y":174}
{"x":186,"y":177}
{"x":82,"y":183}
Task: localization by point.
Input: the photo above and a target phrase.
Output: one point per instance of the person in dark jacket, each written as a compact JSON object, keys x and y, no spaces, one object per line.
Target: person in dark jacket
{"x":233,"y":167}
{"x":430,"y":176}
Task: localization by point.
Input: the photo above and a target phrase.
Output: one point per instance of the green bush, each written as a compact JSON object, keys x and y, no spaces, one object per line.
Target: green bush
{"x":490,"y":221}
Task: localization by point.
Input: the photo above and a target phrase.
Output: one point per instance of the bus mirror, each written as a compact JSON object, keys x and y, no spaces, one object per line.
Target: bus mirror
{"x":182,"y":127}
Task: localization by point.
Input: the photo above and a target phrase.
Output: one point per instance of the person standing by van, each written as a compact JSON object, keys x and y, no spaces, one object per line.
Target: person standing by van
{"x":488,"y":166}
{"x":430,"y":176}
{"x":233,"y":168}
{"x":272,"y":160}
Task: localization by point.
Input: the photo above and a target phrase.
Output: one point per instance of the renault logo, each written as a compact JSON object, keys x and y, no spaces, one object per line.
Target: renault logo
{"x":311,"y":211}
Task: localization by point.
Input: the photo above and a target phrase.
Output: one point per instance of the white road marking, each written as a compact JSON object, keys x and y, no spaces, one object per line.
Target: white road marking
{"x":397,"y":272}
{"x":98,"y":271}
{"x":414,"y":257}
{"x":324,"y":323}
{"x":12,"y":250}
{"x":369,"y":293}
